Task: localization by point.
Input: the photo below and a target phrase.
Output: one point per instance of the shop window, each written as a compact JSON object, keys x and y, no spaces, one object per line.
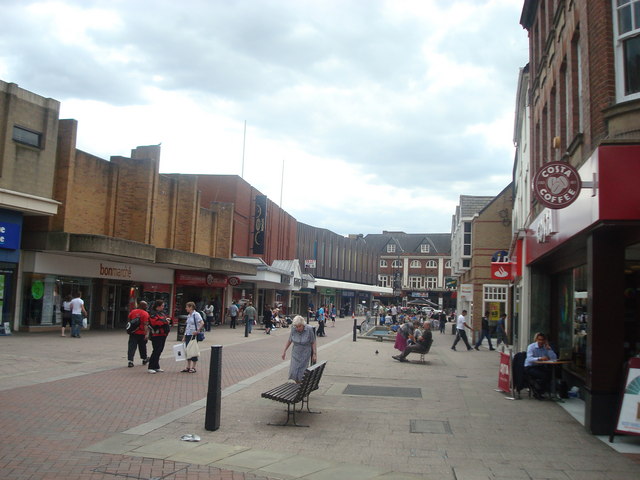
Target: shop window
{"x":43,"y":295}
{"x":431,"y":282}
{"x":495,"y":302}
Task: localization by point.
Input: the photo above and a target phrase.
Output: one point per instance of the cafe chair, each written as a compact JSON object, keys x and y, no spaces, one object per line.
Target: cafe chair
{"x":520,"y":378}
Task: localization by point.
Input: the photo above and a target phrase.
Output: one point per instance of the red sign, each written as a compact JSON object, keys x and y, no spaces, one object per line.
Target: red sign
{"x":200,"y":279}
{"x":504,"y":373}
{"x":501,"y":271}
{"x":557,"y":185}
{"x":233,"y":281}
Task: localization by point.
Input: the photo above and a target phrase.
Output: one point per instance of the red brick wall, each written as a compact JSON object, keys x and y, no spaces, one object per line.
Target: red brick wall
{"x":280,"y":230}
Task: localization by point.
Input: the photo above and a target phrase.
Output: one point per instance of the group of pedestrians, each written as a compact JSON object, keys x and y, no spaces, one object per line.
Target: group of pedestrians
{"x":73,"y":313}
{"x":154,"y":325}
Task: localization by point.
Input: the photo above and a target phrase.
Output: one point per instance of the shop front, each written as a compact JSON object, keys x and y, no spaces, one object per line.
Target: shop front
{"x":10,"y":232}
{"x":584,"y":271}
{"x":110,"y":289}
{"x":199,"y":287}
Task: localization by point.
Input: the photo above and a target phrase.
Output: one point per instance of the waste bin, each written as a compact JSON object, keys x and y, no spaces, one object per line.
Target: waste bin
{"x":182,"y":326}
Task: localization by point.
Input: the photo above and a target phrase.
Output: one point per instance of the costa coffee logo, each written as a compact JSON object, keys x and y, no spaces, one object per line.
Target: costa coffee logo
{"x":233,"y":281}
{"x":557,"y":185}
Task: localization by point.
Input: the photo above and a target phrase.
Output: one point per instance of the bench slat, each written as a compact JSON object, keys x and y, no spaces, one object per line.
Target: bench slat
{"x":293,"y":393}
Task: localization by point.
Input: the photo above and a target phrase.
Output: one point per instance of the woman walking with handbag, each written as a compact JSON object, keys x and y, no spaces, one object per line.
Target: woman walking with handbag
{"x":193,"y":328}
{"x":159,"y":326}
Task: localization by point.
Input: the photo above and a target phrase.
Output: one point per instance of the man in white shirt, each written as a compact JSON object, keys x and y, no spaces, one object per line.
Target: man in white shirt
{"x":460,"y":332}
{"x":77,"y":314}
{"x":540,"y":375}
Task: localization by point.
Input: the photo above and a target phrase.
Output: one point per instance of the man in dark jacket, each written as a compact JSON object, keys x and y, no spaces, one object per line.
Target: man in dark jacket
{"x":484,"y":332}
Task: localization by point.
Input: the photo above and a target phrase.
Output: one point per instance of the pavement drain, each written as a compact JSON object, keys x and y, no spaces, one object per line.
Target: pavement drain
{"x":382,"y":391}
{"x":430,"y":426}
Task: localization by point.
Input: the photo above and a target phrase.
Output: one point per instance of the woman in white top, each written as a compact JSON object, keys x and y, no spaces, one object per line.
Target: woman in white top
{"x":66,"y":313}
{"x":193,"y":327}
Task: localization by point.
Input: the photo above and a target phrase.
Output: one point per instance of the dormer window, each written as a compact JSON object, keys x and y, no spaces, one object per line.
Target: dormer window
{"x":391,"y":248}
{"x":424,"y":248}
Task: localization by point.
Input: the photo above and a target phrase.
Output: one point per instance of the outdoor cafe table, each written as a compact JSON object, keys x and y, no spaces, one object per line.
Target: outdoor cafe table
{"x":553,"y":364}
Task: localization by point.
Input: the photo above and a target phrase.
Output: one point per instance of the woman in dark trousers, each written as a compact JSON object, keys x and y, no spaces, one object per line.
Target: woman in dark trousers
{"x":159,"y":326}
{"x":267,"y":319}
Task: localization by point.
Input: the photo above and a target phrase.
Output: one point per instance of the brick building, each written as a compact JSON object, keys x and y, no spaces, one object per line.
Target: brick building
{"x":262,"y":235}
{"x":415,"y":265}
{"x":28,"y":142}
{"x":344,"y":269}
{"x":488,"y":237}
{"x":583,"y":256}
{"x":123,"y":233}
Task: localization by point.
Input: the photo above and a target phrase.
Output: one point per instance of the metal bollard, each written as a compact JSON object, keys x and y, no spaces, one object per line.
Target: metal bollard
{"x":355,"y":327}
{"x":214,"y":391}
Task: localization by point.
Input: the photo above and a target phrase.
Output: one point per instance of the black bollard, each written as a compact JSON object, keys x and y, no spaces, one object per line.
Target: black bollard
{"x":355,"y":327}
{"x":214,"y":392}
{"x":246,"y":327}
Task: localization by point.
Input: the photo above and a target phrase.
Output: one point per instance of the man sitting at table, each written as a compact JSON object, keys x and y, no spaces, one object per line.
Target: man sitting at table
{"x":540,"y":375}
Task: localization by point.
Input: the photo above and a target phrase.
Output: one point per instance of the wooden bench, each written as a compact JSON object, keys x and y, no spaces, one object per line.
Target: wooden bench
{"x":292,"y":393}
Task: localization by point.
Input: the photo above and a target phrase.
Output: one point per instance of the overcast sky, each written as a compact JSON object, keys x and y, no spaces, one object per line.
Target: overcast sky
{"x":361,"y":115}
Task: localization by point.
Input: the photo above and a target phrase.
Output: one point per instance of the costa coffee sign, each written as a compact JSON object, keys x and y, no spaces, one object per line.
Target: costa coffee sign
{"x":557,"y":185}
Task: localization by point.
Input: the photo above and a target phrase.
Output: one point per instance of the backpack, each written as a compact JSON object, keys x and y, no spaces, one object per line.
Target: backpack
{"x":132,"y":325}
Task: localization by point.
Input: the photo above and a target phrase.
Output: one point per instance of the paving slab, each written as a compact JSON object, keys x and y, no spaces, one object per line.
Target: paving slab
{"x":295,"y":466}
{"x":253,"y":459}
{"x":207,"y":453}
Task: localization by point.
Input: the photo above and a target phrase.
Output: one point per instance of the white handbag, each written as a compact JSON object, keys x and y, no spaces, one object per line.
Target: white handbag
{"x":192,"y":348}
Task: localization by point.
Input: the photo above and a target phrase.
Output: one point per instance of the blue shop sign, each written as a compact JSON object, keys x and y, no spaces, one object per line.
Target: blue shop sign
{"x":348,"y":293}
{"x":9,"y":235}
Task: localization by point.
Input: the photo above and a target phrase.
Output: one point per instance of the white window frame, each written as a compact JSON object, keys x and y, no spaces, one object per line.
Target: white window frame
{"x":391,"y":248}
{"x":495,"y":293}
{"x":416,"y":282}
{"x":430,"y":282}
{"x":447,"y":264}
{"x":396,"y":264}
{"x":415,"y":264}
{"x":431,"y":264}
{"x":383,"y":281}
{"x":424,"y":248}
{"x":383,"y":263}
{"x":618,"y":44}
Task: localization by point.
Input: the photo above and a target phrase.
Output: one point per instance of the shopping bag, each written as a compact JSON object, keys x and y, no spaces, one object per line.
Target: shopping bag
{"x":85,"y":322}
{"x":179,"y":352}
{"x":192,"y":349}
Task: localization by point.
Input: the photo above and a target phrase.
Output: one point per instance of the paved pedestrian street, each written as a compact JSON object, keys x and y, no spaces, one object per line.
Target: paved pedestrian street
{"x":71,"y":409}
